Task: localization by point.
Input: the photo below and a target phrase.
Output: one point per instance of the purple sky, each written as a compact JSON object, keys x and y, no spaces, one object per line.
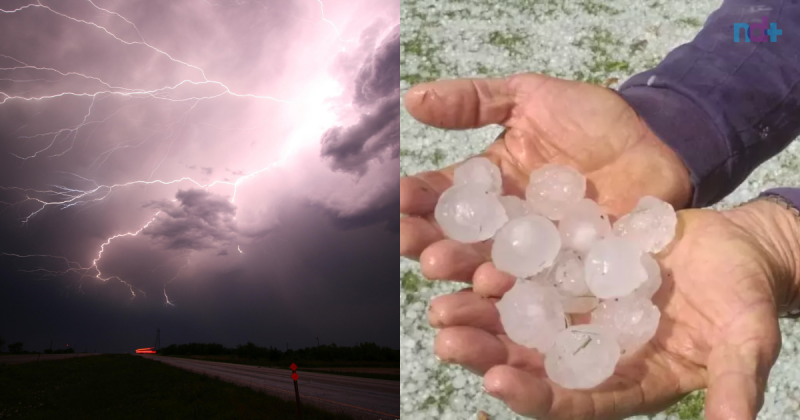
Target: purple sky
{"x":236,"y":162}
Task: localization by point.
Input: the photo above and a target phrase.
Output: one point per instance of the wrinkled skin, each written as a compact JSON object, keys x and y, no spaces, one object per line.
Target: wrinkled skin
{"x":721,"y":283}
{"x":718,"y":330}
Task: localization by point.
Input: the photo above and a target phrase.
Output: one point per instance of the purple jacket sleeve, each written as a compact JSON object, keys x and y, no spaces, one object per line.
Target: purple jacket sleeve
{"x":723,"y":106}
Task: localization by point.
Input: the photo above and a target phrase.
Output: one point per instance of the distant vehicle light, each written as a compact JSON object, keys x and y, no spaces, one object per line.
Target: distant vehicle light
{"x":147,"y":350}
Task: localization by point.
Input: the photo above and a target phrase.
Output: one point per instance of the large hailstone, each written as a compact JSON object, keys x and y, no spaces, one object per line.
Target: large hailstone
{"x":568,"y":273}
{"x":633,"y":320}
{"x":515,"y":206}
{"x":553,"y":189}
{"x":479,"y":171}
{"x":531,"y":314}
{"x":614,"y":268}
{"x":653,"y":282}
{"x":468,"y":213}
{"x":583,"y":224}
{"x":582,"y":357}
{"x":525,"y":246}
{"x":651,"y":224}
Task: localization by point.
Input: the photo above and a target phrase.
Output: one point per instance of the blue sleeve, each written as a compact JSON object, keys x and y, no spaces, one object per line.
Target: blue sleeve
{"x":724,"y":106}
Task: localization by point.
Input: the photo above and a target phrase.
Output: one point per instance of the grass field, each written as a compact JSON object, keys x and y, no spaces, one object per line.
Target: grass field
{"x":308,"y":364}
{"x":129,"y":387}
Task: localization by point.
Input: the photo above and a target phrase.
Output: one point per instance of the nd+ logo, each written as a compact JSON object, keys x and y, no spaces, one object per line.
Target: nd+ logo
{"x":770,"y":30}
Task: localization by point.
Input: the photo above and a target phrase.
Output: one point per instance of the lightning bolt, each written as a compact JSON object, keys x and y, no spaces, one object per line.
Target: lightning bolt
{"x":63,"y":197}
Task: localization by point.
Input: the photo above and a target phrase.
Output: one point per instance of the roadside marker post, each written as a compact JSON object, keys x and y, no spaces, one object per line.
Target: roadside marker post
{"x":296,"y":392}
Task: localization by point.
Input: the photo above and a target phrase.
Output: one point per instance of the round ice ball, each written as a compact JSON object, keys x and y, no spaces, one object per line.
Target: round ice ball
{"x":583,"y":224}
{"x":614,"y":267}
{"x":568,"y":273}
{"x":531,"y":314}
{"x":468,"y":213}
{"x":525,"y":246}
{"x":582,"y":357}
{"x":553,"y":189}
{"x":653,"y":282}
{"x":651,"y":224}
{"x":479,"y":171}
{"x":633,"y":320}
{"x":515,"y":206}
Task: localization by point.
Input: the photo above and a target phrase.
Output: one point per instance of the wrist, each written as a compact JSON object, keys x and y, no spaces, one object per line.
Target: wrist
{"x":776,"y":229}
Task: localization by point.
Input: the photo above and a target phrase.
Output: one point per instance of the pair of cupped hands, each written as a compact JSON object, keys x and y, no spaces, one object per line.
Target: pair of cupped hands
{"x":726,"y":275}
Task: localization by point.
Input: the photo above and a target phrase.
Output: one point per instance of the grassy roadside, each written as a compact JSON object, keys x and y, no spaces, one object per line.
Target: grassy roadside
{"x":306,"y":364}
{"x":128,"y":387}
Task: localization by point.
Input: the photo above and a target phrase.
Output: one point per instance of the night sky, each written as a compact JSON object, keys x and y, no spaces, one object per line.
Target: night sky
{"x":226,"y":171}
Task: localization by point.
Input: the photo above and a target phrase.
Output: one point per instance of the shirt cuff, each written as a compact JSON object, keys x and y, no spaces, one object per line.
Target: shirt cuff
{"x":689,"y":131}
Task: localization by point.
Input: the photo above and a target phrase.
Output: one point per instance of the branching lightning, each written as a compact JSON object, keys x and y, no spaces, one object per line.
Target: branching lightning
{"x":63,"y":197}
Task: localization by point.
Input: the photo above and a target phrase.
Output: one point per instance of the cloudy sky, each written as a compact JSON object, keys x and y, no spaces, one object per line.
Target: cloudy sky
{"x":226,"y":171}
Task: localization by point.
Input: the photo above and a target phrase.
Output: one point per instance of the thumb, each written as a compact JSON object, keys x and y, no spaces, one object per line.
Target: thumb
{"x":461,"y":103}
{"x":739,"y":364}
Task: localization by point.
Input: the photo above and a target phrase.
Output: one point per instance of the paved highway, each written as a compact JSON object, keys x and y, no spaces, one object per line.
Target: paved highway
{"x":25,"y":358}
{"x":360,"y":397}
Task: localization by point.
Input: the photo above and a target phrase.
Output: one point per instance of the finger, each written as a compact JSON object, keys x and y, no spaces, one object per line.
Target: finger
{"x":738,"y":366}
{"x":488,"y":281}
{"x":451,"y":260}
{"x":464,"y":310}
{"x":525,"y":393}
{"x":461,"y":103}
{"x":416,"y":234}
{"x":475,"y":349}
{"x":419,"y":193}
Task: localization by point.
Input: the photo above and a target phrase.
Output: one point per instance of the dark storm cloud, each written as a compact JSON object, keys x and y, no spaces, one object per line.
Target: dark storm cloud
{"x":376,"y":97}
{"x":196,"y":220}
{"x":351,"y":148}
{"x":270,"y":268}
{"x":379,"y":77}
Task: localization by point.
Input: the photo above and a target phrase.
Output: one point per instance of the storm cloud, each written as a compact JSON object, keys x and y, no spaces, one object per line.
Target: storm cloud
{"x":225,"y":170}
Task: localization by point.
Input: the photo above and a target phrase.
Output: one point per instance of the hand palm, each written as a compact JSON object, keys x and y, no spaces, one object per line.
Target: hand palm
{"x":547,"y":120}
{"x":718,"y":327}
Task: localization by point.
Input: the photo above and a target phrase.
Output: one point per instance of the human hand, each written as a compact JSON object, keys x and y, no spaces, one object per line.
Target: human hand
{"x":724,"y":277}
{"x":546,"y":120}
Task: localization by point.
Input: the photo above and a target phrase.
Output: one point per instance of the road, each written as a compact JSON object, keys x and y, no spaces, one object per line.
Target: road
{"x":25,"y":358}
{"x":361,"y":397}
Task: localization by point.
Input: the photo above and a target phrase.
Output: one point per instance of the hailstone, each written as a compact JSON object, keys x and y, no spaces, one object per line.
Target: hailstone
{"x":633,"y":320}
{"x":531,"y":314}
{"x":525,"y":246}
{"x":568,"y":274}
{"x":582,"y":357}
{"x":583,"y":224}
{"x":479,"y":171}
{"x":653,"y":282}
{"x":553,"y":189}
{"x":614,"y":268}
{"x":515,"y":206}
{"x":468,"y":213}
{"x":651,"y":224}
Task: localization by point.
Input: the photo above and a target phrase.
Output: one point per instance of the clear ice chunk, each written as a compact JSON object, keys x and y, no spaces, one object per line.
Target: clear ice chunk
{"x":582,"y":357}
{"x":531,"y":314}
{"x":583,"y":224}
{"x":468,"y":213}
{"x":553,"y":189}
{"x":651,"y":224}
{"x":568,"y":273}
{"x":653,"y":282}
{"x":614,"y":267}
{"x":525,"y":246}
{"x":633,"y":320}
{"x":479,"y":171}
{"x":515,"y":206}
